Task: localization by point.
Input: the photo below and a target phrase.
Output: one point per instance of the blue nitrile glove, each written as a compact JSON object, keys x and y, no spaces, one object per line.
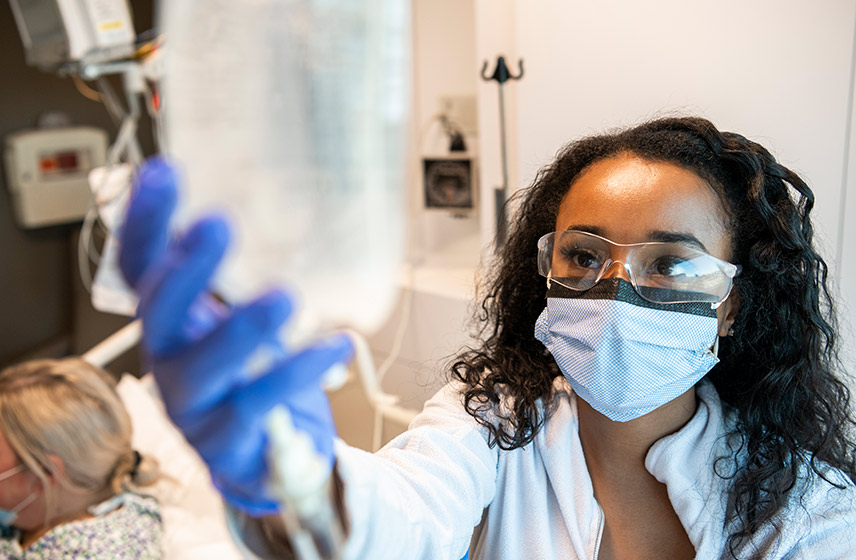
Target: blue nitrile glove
{"x":199,"y":348}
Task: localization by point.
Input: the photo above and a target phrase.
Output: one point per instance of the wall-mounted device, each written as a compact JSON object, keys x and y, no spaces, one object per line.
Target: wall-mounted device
{"x":68,"y":34}
{"x":48,"y":173}
{"x":449,"y":183}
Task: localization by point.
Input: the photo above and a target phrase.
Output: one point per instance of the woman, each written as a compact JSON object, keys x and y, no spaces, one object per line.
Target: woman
{"x":656,"y":377}
{"x":775,"y":376}
{"x":68,"y":474}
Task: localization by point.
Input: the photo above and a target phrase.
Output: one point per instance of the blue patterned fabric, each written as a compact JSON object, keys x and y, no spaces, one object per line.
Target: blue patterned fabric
{"x":128,"y":527}
{"x":624,"y":355}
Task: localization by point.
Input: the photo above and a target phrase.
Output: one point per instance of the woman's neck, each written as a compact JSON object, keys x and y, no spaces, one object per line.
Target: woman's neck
{"x":624,"y":445}
{"x":639,"y":519}
{"x":74,"y":507}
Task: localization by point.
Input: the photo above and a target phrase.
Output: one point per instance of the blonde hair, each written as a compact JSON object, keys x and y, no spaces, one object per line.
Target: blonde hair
{"x":70,"y":409}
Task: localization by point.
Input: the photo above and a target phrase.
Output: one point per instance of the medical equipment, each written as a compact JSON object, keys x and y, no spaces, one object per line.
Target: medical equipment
{"x":290,"y":117}
{"x":111,"y":184}
{"x":301,"y":480}
{"x":449,"y":183}
{"x":48,"y":170}
{"x":448,"y":178}
{"x":65,"y":35}
{"x":88,"y":40}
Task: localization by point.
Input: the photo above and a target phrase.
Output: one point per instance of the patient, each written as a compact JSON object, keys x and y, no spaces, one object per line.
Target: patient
{"x":69,"y":478}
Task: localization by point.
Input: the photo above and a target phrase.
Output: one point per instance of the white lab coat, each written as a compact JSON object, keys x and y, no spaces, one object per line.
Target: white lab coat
{"x":421,"y":496}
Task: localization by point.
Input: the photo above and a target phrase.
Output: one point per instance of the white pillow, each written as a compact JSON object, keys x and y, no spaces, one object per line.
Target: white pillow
{"x":193,"y":516}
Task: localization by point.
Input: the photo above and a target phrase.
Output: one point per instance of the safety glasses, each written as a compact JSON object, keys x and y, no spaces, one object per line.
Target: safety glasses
{"x":660,"y":272}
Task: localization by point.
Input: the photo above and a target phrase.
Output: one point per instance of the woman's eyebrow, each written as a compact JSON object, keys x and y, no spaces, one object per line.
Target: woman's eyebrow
{"x":595,"y":230}
{"x":657,"y":235}
{"x":677,"y":237}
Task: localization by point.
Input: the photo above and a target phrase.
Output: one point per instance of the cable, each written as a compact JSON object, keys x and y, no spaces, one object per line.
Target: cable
{"x":134,"y":154}
{"x":83,"y":246}
{"x":450,"y":128}
{"x":403,"y":323}
{"x":85,"y":90}
{"x":153,"y":109}
{"x":147,"y":48}
{"x":87,"y":253}
{"x":110,"y":100}
{"x":407,"y":301}
{"x":125,"y":146}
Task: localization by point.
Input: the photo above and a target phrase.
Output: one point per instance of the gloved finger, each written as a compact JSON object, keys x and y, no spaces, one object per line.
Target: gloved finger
{"x":145,"y":232}
{"x":301,"y":371}
{"x":213,"y":366}
{"x":204,"y":315}
{"x":167,"y":294}
{"x":297,"y":379}
{"x":311,"y":413}
{"x":235,"y":452}
{"x":240,"y":419}
{"x":235,"y":447}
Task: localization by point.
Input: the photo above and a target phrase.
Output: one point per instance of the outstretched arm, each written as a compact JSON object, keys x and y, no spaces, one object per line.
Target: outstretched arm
{"x":198,"y":348}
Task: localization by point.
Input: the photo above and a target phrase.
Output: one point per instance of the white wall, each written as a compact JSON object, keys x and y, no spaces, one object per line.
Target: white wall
{"x":444,"y":250}
{"x":443,"y":63}
{"x":846,"y":273}
{"x":776,"y":71}
{"x":496,"y":34}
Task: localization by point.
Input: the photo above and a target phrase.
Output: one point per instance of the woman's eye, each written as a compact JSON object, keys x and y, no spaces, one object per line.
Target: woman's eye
{"x":580,"y":258}
{"x":671,"y":266}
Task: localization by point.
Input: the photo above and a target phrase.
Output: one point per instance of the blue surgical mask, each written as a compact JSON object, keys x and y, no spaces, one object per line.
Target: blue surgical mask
{"x":9,"y":516}
{"x":624,"y":355}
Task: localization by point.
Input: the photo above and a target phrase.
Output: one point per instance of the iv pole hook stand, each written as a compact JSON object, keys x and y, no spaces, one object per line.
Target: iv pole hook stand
{"x":501,"y":74}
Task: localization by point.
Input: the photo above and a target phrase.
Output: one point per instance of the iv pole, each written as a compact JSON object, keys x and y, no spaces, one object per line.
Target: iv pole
{"x":501,"y":74}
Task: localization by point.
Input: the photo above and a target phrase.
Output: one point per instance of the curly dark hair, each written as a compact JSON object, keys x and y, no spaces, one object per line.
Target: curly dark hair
{"x":778,"y":369}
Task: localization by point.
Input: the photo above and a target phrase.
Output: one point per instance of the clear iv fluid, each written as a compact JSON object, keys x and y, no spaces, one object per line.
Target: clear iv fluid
{"x":290,"y":117}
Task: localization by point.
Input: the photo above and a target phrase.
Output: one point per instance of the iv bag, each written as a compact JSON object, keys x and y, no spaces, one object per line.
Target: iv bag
{"x":289,"y":116}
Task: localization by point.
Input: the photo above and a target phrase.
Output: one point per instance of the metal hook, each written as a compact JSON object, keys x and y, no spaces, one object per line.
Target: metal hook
{"x":501,"y":74}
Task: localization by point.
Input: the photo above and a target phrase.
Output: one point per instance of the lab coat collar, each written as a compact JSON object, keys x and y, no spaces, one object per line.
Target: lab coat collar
{"x":686,"y":462}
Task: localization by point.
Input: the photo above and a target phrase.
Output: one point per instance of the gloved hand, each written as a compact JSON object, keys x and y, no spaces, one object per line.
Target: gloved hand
{"x":199,"y":348}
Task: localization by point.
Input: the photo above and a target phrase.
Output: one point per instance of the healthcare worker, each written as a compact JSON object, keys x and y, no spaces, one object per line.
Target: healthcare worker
{"x":655,"y":378}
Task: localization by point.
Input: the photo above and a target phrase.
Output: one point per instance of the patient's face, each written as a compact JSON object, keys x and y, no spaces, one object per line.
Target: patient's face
{"x":16,"y":488}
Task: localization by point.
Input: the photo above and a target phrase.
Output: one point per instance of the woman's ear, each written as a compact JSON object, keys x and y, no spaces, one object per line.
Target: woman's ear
{"x":727,"y":313}
{"x":55,"y":470}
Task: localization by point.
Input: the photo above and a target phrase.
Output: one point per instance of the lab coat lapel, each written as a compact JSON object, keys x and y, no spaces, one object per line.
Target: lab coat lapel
{"x":684,"y":462}
{"x":567,"y":473}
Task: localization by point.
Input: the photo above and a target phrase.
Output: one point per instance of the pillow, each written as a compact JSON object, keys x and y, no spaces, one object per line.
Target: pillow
{"x":194,"y":520}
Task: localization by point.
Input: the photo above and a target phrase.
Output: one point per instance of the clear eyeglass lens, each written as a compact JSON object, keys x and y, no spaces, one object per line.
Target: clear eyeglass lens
{"x":662,"y":272}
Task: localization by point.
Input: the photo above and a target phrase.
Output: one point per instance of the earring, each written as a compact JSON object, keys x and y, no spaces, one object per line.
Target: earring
{"x":730,"y":331}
